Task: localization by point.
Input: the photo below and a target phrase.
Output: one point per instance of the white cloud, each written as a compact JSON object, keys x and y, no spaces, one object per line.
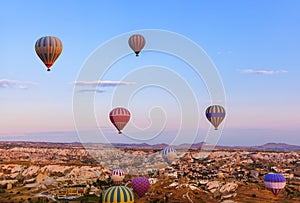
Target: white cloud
{"x":263,"y":72}
{"x":221,"y":52}
{"x":6,"y":83}
{"x":23,"y":87}
{"x":90,"y":90}
{"x":104,"y":83}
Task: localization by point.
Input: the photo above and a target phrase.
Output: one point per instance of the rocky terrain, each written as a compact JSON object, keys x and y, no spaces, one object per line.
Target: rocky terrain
{"x":36,"y":172}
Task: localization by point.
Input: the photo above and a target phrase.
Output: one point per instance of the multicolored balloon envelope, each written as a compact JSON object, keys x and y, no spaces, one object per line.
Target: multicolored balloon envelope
{"x":275,"y":182}
{"x":118,"y":194}
{"x":48,"y":49}
{"x":215,"y":114}
{"x":169,"y":154}
{"x":119,"y":118}
{"x":137,"y":43}
{"x":140,"y":185}
{"x":117,"y":176}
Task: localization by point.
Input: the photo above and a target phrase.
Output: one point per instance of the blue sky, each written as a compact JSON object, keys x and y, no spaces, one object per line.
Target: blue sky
{"x":253,"y":44}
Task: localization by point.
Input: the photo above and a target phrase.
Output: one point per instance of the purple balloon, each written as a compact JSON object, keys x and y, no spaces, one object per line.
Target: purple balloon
{"x":140,"y":185}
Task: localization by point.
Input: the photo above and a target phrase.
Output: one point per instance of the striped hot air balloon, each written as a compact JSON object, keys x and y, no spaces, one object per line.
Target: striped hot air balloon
{"x":117,"y":176}
{"x":118,"y":194}
{"x":137,"y":43}
{"x":119,"y":118}
{"x":140,"y":185}
{"x":215,"y":114}
{"x":48,"y":49}
{"x":169,"y":154}
{"x":275,"y":182}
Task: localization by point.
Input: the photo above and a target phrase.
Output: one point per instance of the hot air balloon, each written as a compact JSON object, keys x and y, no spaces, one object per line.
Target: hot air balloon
{"x":169,"y":154}
{"x":140,"y":185}
{"x":137,"y":43}
{"x":48,"y":49}
{"x":117,"y":176}
{"x":254,"y":157}
{"x":118,"y":194}
{"x":275,"y":182}
{"x":215,"y":114}
{"x":119,"y":118}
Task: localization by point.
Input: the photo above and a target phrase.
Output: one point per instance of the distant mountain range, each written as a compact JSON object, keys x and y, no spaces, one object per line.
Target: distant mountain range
{"x":265,"y":147}
{"x":277,"y":146}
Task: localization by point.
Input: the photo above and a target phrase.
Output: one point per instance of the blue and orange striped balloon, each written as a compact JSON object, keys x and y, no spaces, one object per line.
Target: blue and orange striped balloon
{"x":118,"y":194}
{"x":48,"y":49}
{"x":215,"y":114}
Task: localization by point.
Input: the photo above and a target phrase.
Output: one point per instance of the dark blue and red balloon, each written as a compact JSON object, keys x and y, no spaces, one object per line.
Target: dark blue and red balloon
{"x":275,"y":182}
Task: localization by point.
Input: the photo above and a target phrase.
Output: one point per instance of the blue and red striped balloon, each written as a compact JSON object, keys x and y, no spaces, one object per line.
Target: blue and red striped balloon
{"x":117,"y":176}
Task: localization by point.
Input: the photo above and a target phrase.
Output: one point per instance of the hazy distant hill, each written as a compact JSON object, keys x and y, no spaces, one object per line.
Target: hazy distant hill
{"x":193,"y":146}
{"x":277,"y":146}
{"x":265,"y":147}
{"x":143,"y":145}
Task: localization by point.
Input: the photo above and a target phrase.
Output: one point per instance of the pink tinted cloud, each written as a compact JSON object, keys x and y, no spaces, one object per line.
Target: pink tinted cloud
{"x":104,"y":83}
{"x":263,"y":72}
